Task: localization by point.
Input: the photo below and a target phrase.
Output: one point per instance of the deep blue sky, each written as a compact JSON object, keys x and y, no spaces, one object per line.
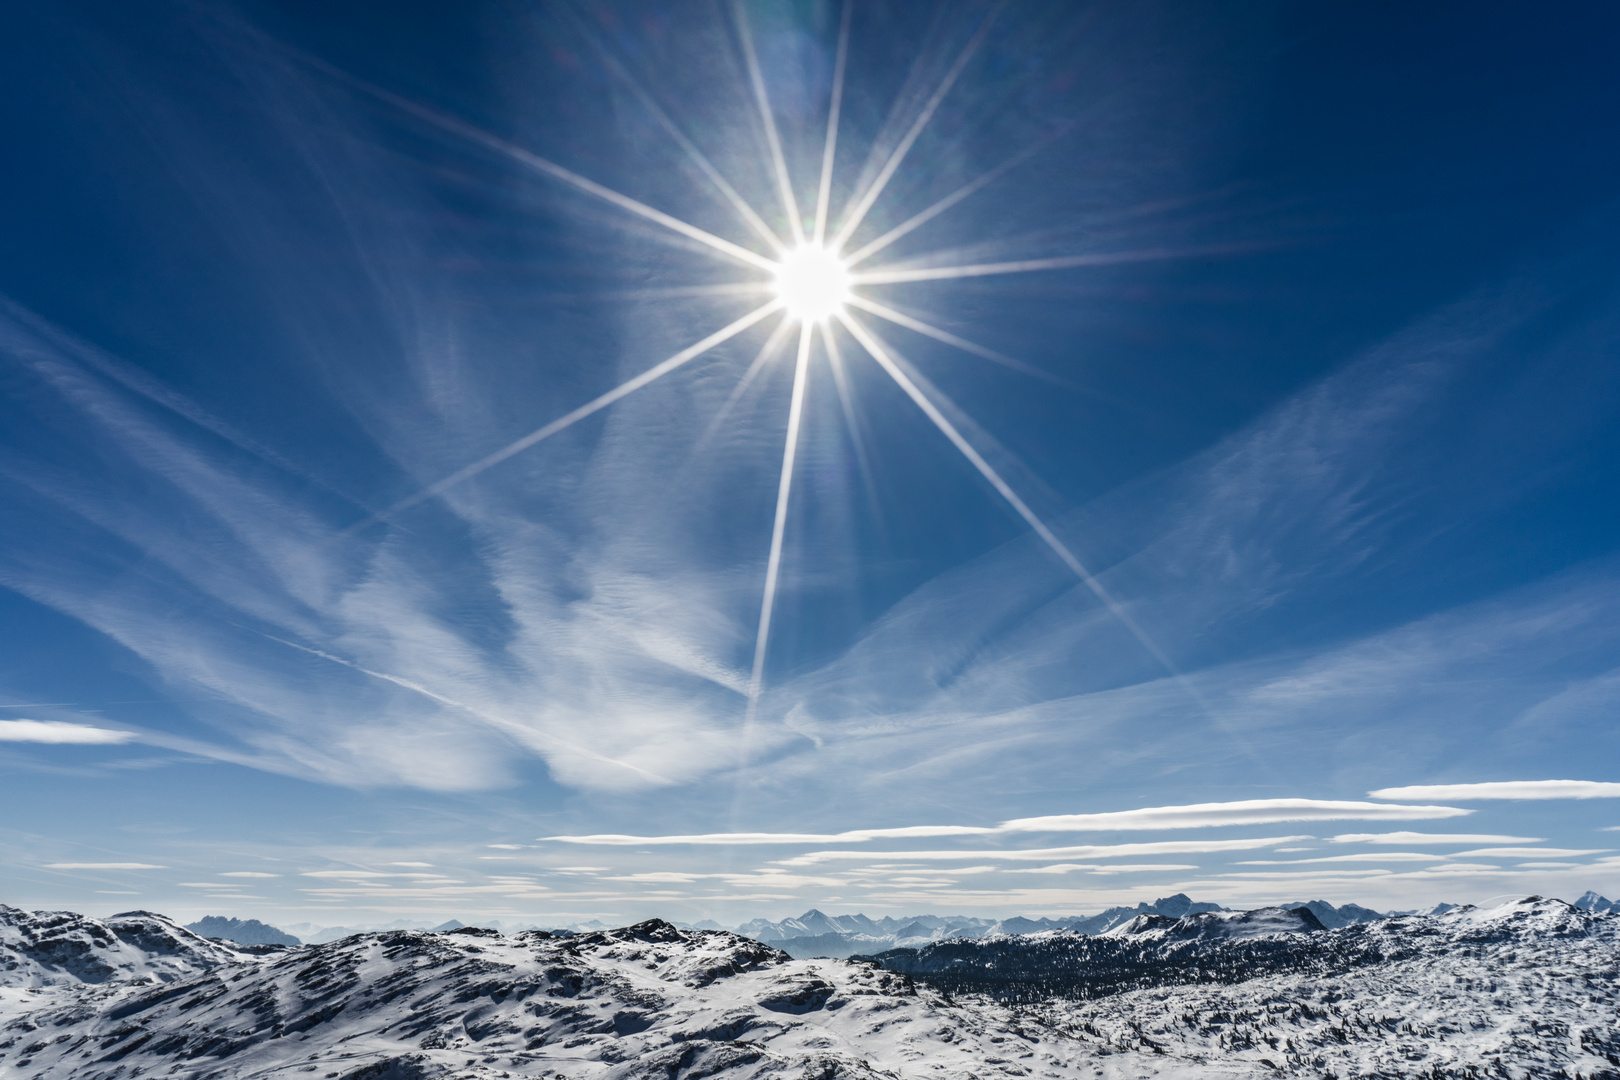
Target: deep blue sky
{"x":1337,"y":432}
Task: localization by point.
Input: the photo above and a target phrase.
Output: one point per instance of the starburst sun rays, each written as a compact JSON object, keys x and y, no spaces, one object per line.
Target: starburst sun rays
{"x":811,"y":284}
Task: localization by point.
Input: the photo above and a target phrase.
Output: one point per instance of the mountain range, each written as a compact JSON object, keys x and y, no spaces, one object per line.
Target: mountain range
{"x":1527,"y":988}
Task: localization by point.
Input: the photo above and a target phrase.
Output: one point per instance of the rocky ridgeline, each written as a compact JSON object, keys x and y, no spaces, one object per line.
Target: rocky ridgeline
{"x":1521,"y":990}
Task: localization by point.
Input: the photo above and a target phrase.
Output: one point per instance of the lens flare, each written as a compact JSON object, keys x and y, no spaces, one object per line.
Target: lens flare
{"x":813,"y":283}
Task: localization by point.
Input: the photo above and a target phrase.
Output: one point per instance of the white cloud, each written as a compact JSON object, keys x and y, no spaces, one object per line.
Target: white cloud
{"x":1192,"y":816}
{"x":103,"y":866}
{"x":61,"y":733}
{"x":1246,"y":812}
{"x":853,"y":836}
{"x":1088,"y":851}
{"x":247,"y":873}
{"x":1431,"y":838}
{"x":1366,"y":856}
{"x":1505,"y":789}
{"x":1100,"y":868}
{"x":1530,"y":852}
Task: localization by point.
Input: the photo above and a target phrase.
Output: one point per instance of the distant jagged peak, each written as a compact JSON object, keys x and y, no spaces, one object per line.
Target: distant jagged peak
{"x":1594,"y":901}
{"x":241,"y":931}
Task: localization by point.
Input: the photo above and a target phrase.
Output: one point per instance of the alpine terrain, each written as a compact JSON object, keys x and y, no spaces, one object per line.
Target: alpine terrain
{"x":1523,"y":989}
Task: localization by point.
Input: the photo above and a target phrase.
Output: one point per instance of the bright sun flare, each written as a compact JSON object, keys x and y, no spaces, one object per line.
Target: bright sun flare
{"x":813,"y":283}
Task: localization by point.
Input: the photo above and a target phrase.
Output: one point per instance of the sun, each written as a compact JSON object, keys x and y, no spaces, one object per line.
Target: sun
{"x":809,"y":283}
{"x":813,"y":283}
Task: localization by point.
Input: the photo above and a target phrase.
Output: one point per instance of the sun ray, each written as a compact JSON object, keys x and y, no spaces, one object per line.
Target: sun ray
{"x":701,"y":160}
{"x":929,"y":330}
{"x":1025,"y":266}
{"x":534,"y":161}
{"x":766,"y":352}
{"x":824,"y":191}
{"x":789,"y":203}
{"x":846,"y":402}
{"x":924,"y":216}
{"x":594,"y":405}
{"x":879,"y":353}
{"x":672,"y":292}
{"x":773,"y":564}
{"x":881,"y":181}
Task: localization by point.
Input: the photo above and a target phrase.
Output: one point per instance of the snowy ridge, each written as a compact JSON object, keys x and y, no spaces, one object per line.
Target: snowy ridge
{"x":1526,"y":989}
{"x":55,"y":948}
{"x":641,"y":1002}
{"x":241,"y":931}
{"x":814,"y":934}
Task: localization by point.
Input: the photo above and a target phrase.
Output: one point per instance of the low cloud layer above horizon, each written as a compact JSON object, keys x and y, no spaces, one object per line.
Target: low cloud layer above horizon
{"x":1271,"y":495}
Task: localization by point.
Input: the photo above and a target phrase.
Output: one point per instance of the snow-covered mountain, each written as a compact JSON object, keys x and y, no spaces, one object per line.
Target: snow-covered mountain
{"x":1591,"y":901}
{"x":814,"y":934}
{"x":1527,"y":989}
{"x":58,"y":948}
{"x":241,"y":931}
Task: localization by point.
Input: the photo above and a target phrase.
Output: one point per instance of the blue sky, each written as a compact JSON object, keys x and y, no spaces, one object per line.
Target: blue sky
{"x":1293,"y":326}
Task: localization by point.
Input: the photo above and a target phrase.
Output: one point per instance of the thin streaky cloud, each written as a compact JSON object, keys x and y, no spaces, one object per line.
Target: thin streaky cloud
{"x":1360,"y":857}
{"x":1086,"y":851}
{"x":1431,"y":838}
{"x":763,"y":357}
{"x":534,"y":161}
{"x":1530,"y":852}
{"x":1191,"y":816}
{"x":735,"y":838}
{"x":520,"y":733}
{"x":698,"y":158}
{"x":61,"y":733}
{"x":545,"y":432}
{"x":1245,"y":812}
{"x":103,"y":866}
{"x":1505,"y":789}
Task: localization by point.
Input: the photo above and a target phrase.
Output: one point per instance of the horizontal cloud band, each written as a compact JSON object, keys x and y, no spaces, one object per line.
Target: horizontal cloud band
{"x":1192,"y":816}
{"x":1505,"y":789}
{"x":60,"y":733}
{"x":1088,"y":851}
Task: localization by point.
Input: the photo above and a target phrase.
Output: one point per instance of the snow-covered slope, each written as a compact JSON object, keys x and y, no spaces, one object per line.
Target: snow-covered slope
{"x":1527,"y":989}
{"x":642,"y":1002}
{"x":53,"y":948}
